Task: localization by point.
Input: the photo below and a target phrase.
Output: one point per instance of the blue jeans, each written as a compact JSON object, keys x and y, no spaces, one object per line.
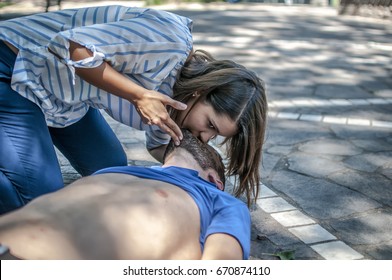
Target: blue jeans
{"x":28,"y":163}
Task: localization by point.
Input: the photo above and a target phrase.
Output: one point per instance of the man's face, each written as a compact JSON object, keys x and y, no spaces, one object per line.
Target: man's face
{"x":206,"y":156}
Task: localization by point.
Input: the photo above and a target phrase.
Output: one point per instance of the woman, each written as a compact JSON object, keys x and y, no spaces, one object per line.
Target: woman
{"x":57,"y":69}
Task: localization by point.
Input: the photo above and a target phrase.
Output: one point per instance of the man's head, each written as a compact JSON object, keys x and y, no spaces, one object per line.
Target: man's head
{"x":206,"y":156}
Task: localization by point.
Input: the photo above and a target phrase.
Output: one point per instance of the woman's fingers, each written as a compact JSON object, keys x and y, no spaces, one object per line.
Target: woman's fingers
{"x":167,"y":125}
{"x":173,"y":103}
{"x":152,"y":109}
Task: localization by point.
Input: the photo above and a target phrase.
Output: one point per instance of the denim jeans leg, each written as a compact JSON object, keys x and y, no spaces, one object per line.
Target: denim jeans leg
{"x":28,"y":162}
{"x":90,"y":144}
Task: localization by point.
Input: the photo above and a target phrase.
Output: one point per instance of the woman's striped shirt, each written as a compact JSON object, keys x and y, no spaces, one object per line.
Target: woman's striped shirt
{"x":148,"y":46}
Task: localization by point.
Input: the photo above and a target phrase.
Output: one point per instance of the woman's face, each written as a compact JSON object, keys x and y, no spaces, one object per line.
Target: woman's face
{"x":205,"y":123}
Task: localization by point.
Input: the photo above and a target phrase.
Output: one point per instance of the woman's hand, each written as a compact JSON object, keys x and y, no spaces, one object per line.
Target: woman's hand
{"x":151,"y":106}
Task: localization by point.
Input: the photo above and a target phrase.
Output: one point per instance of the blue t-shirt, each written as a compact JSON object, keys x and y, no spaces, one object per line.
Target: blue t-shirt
{"x":220,"y":212}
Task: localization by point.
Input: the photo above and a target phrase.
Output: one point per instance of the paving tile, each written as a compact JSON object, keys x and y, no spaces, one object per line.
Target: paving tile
{"x":319,"y":102}
{"x":283,"y":103}
{"x":313,"y":118}
{"x":367,"y":229}
{"x":329,"y":146}
{"x":271,"y":104}
{"x":266,"y":192}
{"x":359,"y":102}
{"x":312,"y":234}
{"x":378,"y":101}
{"x":302,"y":102}
{"x":382,"y":124}
{"x":286,"y":115}
{"x":340,"y":102}
{"x":336,"y":250}
{"x":272,"y":114}
{"x":292,"y":218}
{"x":313,"y":164}
{"x":337,"y":120}
{"x":358,"y":122}
{"x":274,"y":204}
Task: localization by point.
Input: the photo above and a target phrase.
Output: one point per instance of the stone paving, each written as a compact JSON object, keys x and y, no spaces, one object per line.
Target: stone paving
{"x":327,"y":163}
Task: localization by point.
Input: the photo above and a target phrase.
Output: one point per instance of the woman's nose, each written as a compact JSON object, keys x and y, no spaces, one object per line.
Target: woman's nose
{"x":206,"y":136}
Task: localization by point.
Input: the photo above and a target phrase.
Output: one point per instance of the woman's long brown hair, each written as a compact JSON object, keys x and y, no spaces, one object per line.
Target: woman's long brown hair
{"x":238,"y":93}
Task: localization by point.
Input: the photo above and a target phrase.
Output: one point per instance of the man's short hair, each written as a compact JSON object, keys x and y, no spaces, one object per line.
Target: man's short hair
{"x":205,"y":155}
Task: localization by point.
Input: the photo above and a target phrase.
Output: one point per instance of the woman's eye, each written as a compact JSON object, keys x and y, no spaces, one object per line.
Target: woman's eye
{"x":210,"y":125}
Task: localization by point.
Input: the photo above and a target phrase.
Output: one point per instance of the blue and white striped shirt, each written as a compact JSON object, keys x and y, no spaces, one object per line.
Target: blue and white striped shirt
{"x":146,"y":45}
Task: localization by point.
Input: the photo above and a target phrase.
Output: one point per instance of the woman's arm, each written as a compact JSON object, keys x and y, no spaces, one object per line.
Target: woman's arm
{"x":149,"y":104}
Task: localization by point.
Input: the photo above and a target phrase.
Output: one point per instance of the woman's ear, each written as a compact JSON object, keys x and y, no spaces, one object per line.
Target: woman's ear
{"x":214,"y":178}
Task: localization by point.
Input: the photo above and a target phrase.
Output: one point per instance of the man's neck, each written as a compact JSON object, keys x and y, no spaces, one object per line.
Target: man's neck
{"x":182,"y":158}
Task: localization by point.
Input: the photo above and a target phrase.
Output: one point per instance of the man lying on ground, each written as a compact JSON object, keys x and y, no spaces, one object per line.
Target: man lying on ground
{"x":176,"y":211}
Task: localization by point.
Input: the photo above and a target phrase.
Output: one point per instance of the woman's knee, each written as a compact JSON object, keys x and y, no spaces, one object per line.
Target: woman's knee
{"x":10,"y":198}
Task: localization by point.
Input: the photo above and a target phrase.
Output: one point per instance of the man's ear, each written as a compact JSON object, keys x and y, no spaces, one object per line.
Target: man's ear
{"x":213,"y":178}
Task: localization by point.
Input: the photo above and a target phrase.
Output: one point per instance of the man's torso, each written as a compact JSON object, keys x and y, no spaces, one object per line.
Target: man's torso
{"x":108,"y":216}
